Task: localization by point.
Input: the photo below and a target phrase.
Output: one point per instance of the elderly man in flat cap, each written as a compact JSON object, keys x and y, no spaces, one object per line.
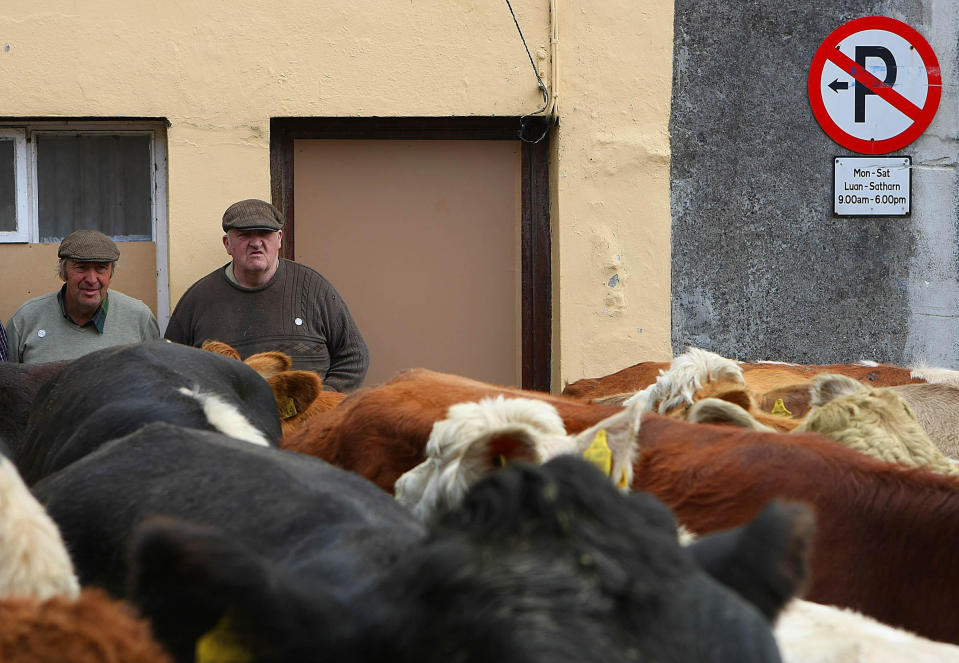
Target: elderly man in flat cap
{"x":82,"y":316}
{"x":259,"y":302}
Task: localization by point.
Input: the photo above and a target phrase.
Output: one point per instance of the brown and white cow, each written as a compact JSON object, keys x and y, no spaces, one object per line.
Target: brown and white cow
{"x":44,"y":617}
{"x":92,"y":628}
{"x":876,"y":422}
{"x":477,"y":438}
{"x":914,"y":424}
{"x":762,"y":377}
{"x":299,"y":394}
{"x":34,"y":563}
{"x":704,"y":387}
{"x":886,"y":535}
{"x":886,"y":532}
{"x":381,"y":432}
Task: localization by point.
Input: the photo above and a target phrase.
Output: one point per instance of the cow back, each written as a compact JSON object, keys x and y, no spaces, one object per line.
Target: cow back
{"x":19,"y":384}
{"x":111,"y":393}
{"x":886,"y":535}
{"x":288,"y":507}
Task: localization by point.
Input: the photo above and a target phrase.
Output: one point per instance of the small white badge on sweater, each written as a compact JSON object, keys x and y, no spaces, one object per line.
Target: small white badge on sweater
{"x":42,"y":333}
{"x":298,"y":322}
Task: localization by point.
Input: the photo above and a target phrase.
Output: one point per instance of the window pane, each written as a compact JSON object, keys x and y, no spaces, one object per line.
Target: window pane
{"x":94,"y":181}
{"x":8,"y":186}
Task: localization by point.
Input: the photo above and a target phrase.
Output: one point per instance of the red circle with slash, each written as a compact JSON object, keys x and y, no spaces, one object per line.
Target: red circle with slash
{"x":920,"y":116}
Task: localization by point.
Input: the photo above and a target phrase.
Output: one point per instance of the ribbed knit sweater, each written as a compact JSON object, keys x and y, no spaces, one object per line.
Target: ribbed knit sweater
{"x":297,"y":312}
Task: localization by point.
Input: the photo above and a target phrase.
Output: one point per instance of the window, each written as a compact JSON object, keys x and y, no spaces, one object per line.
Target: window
{"x":57,"y":177}
{"x":13,"y":186}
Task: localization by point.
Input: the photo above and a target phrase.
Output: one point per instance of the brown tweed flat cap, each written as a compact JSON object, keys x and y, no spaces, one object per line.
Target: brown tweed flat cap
{"x":88,"y":246}
{"x":252,"y":214}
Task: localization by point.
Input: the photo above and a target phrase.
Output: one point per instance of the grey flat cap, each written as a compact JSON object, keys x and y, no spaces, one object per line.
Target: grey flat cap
{"x":88,"y":246}
{"x":252,"y":214}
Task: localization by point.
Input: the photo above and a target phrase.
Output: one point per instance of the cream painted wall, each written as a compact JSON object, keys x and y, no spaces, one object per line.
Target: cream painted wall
{"x":611,"y":187}
{"x":218,"y":71}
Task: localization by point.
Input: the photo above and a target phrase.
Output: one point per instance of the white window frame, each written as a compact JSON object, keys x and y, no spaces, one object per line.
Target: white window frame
{"x":28,"y":203}
{"x":22,"y":233}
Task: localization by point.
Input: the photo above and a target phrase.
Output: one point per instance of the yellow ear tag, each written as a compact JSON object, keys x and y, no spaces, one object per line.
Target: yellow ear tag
{"x":500,"y":461}
{"x":780,"y":409}
{"x":598,"y":453}
{"x":623,"y":481}
{"x":288,"y":409}
{"x":221,"y":646}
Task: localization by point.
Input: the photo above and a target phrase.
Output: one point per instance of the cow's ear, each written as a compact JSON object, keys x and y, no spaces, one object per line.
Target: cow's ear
{"x":721,"y":411}
{"x":269,"y":364}
{"x":174,"y":581}
{"x":211,"y":598}
{"x":295,"y":391}
{"x":830,"y":386}
{"x":220,"y":348}
{"x":614,"y":437}
{"x":765,"y":561}
{"x":502,"y":449}
{"x":739,"y":397}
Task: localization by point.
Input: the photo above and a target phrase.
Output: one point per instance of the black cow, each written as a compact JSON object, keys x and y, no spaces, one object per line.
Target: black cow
{"x":295,"y":510}
{"x":19,"y":384}
{"x":546,"y":563}
{"x":110,"y":393}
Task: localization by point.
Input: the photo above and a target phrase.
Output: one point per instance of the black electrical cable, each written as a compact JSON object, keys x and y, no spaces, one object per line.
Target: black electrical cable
{"x":539,"y":81}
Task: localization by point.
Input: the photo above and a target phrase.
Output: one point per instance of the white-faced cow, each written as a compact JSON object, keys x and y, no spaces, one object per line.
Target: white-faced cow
{"x":476,"y":438}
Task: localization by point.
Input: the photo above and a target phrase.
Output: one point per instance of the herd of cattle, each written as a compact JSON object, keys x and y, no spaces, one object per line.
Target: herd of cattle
{"x":163,"y":503}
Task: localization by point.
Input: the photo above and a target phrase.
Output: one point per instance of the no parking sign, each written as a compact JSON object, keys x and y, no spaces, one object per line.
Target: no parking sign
{"x":874,"y":85}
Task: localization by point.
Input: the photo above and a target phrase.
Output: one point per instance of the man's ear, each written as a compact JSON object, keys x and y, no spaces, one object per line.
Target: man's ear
{"x":279,"y":237}
{"x":226,"y":244}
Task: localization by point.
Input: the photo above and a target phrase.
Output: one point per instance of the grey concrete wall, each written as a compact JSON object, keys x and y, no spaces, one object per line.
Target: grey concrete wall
{"x":760,"y":267}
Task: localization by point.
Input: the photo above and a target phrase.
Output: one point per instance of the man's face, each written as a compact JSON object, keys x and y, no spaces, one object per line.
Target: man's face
{"x":253,"y":250}
{"x":87,"y":284}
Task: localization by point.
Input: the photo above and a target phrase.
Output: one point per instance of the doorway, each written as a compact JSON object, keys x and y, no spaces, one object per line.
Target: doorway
{"x":435,"y":232}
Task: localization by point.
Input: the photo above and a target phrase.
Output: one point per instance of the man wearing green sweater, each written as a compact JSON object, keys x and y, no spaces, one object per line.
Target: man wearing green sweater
{"x":82,"y":316}
{"x":260,"y":302}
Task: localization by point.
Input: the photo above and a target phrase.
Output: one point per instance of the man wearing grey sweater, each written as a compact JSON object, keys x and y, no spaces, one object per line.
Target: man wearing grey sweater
{"x":82,"y":316}
{"x":260,"y":302}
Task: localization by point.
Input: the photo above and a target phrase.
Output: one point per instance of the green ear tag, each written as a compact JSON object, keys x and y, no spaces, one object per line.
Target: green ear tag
{"x":598,"y":453}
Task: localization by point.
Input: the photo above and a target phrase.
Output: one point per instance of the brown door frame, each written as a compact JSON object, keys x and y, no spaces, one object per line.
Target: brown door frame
{"x":536,"y":244}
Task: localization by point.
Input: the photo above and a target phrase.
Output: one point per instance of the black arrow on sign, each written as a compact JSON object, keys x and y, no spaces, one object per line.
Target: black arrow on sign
{"x":837,"y":86}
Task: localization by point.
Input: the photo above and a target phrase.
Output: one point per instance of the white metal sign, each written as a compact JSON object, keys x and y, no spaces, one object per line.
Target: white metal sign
{"x":872,"y":186}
